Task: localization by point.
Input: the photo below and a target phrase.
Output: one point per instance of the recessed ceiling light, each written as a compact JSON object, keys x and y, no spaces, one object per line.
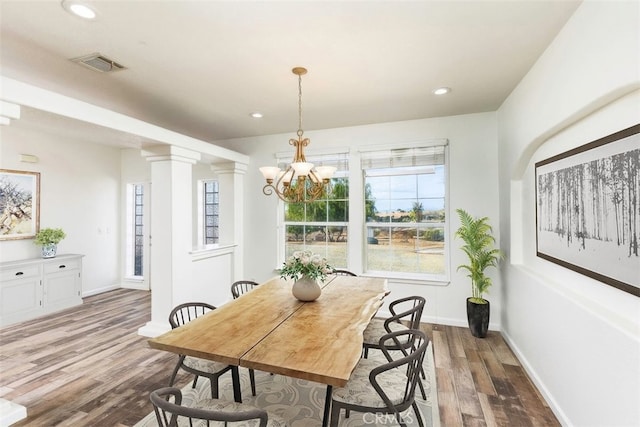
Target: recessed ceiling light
{"x":441,"y":91}
{"x":256,"y":115}
{"x":79,"y":9}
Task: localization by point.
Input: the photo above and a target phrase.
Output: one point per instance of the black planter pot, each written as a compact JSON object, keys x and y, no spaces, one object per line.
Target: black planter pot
{"x":478,"y":317}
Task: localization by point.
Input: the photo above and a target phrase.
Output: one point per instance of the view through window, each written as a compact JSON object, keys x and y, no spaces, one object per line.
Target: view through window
{"x":321,"y":226}
{"x":405,"y":200}
{"x":138,"y":207}
{"x":211,"y":212}
{"x":134,"y":249}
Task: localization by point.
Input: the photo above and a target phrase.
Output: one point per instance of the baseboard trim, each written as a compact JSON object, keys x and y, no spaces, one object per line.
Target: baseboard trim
{"x":100,"y":290}
{"x":548,"y":397}
{"x":135,"y":285}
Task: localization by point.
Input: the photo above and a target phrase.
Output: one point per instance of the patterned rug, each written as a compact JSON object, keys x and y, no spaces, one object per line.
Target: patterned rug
{"x":301,"y":402}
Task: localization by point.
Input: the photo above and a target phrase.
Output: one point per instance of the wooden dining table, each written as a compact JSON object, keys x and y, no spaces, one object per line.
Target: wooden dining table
{"x":270,"y":330}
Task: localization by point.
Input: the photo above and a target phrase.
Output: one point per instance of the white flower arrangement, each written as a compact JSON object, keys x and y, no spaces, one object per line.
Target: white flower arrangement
{"x":305,"y":263}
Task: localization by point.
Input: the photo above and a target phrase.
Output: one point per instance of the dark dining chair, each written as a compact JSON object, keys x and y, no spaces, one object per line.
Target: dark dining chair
{"x":406,"y":313}
{"x":181,"y":315}
{"x":238,"y":288}
{"x":170,"y":411}
{"x":242,"y":287}
{"x":339,"y":272}
{"x":388,"y":387}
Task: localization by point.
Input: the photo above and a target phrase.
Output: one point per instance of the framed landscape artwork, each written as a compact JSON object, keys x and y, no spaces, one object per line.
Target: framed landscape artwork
{"x":588,"y":209}
{"x":19,"y":204}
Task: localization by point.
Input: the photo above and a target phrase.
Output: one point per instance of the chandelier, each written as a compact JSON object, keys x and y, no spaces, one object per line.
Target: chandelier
{"x":300,"y":182}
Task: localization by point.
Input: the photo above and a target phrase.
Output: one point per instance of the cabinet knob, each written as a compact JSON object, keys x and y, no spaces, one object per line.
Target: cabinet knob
{"x":19,"y":273}
{"x":62,"y":266}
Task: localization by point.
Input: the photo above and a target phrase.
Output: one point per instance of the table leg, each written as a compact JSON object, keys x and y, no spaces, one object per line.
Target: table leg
{"x":327,"y":406}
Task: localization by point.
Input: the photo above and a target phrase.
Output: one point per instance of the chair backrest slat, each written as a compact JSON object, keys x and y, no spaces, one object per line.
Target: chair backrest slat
{"x":185,"y":313}
{"x":242,"y":287}
{"x":339,"y":272}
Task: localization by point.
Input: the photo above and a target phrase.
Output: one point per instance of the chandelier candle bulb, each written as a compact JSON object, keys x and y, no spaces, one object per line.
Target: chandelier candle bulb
{"x":302,"y":168}
{"x":325,"y":172}
{"x":270,"y":172}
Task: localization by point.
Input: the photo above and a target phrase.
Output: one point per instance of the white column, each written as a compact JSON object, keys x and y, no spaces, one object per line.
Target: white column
{"x":231,"y":190}
{"x":171,"y":232}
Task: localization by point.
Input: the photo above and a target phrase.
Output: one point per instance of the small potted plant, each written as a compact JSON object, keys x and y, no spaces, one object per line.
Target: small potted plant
{"x":478,"y":245}
{"x":49,"y":238}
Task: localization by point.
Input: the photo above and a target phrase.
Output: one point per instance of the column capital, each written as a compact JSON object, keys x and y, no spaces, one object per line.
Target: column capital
{"x":229,"y":167}
{"x":161,"y":152}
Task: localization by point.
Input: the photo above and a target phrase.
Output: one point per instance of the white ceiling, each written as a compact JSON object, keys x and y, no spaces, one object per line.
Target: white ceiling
{"x":201,"y":67}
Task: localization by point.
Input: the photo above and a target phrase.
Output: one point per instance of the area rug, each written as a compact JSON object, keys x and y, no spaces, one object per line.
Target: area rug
{"x":301,"y":402}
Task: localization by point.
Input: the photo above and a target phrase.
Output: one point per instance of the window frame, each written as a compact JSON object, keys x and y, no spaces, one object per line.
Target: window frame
{"x":357,"y":224}
{"x":418,"y":278}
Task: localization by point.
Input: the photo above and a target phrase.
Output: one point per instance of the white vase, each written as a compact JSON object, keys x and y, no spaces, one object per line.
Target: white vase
{"x":306,"y":289}
{"x":49,"y":251}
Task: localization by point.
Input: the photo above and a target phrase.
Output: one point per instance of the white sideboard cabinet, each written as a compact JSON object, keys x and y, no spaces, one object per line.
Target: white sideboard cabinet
{"x":34,"y":287}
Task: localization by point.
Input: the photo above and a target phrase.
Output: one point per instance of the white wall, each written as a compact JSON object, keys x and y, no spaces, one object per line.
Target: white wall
{"x":473,"y":186}
{"x":578,"y":338}
{"x":79,"y":192}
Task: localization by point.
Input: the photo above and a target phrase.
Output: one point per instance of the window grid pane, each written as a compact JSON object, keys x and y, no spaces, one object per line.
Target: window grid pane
{"x":320,"y":226}
{"x":211,"y":212}
{"x":138,"y":230}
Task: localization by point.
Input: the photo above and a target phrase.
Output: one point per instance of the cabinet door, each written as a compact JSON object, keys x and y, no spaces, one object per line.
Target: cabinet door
{"x":20,"y":299}
{"x":62,"y":289}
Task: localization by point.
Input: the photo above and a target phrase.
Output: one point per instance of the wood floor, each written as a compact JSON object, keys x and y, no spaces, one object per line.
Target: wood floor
{"x":88,"y":367}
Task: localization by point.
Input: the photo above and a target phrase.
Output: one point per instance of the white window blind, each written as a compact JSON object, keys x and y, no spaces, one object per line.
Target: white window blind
{"x":403,"y":157}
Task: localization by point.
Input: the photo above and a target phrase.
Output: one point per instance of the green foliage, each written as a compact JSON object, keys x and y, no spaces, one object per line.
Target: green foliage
{"x":478,"y":245}
{"x":416,"y":213}
{"x":47,"y":236}
{"x":369,"y":203}
{"x":305,"y":263}
{"x":433,"y":234}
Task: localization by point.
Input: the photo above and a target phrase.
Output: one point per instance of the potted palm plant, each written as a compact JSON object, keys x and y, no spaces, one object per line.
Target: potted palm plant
{"x":479,"y":247}
{"x":49,"y":238}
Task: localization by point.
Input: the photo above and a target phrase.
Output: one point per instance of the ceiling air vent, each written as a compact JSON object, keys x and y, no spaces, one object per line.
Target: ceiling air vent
{"x":98,"y":62}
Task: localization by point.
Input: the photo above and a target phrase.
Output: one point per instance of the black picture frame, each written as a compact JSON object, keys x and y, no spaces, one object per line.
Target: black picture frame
{"x":588,"y":209}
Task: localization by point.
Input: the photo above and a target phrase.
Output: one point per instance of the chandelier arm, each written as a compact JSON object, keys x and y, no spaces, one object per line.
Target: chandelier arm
{"x":268,"y":189}
{"x":315,"y":177}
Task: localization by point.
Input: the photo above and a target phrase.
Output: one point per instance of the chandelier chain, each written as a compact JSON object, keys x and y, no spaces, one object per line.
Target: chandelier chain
{"x":300,"y":131}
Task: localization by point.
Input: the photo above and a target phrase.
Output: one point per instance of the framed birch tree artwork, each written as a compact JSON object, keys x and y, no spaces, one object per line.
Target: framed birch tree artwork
{"x":19,"y":204}
{"x":588,"y":209}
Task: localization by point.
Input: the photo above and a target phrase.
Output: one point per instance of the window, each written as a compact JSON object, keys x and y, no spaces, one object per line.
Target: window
{"x":404,"y":206}
{"x":138,"y":228}
{"x":135,"y":230}
{"x":321,"y":226}
{"x":210,"y":212}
